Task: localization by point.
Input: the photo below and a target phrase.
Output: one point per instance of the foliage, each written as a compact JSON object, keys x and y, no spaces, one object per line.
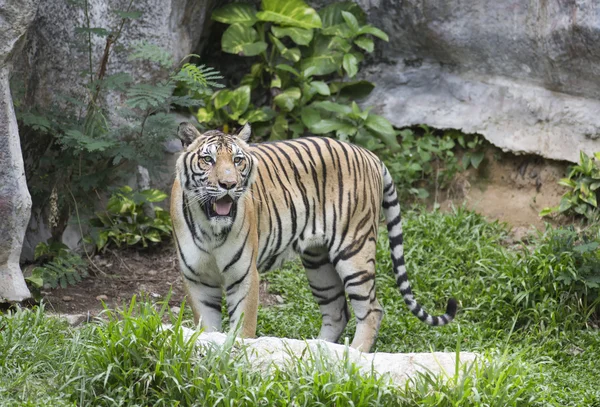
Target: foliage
{"x":303,"y":79}
{"x":427,"y":158}
{"x":583,"y":181}
{"x":537,"y":302}
{"x":527,"y":326}
{"x":128,"y":219}
{"x":81,"y":144}
{"x":59,"y":266}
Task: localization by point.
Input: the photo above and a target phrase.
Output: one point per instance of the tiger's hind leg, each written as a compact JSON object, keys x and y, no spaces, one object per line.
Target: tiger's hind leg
{"x":328,"y":290}
{"x":355,"y":265}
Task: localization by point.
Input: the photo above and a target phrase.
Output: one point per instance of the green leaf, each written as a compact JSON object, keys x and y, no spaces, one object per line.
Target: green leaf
{"x":310,"y":116}
{"x":322,"y":64}
{"x":292,"y":54}
{"x":222,"y":98}
{"x":263,"y":114}
{"x":288,"y":99}
{"x":320,"y":87}
{"x":300,"y":36}
{"x":365,"y":43}
{"x":290,"y":13}
{"x":327,"y":126}
{"x":240,"y":13}
{"x":241,"y":40}
{"x":477,"y":158}
{"x":153,"y":195}
{"x":332,"y":107}
{"x":36,"y":278}
{"x":351,"y":21}
{"x":547,"y":211}
{"x":204,"y":116}
{"x":287,"y":68}
{"x":350,"y":65}
{"x":384,"y":130}
{"x":279,"y":129}
{"x":331,"y":15}
{"x":240,"y":101}
{"x":587,"y":247}
{"x":352,"y":90}
{"x":145,"y":96}
{"x":368,"y":29}
{"x":567,"y":182}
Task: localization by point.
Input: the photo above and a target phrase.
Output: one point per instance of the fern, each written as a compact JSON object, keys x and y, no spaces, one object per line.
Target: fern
{"x":150,"y":52}
{"x":144,"y":96}
{"x":35,"y":122}
{"x":59,"y":266}
{"x":198,"y":78}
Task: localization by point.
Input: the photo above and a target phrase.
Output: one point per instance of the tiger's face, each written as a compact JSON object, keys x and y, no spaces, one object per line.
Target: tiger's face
{"x":215,"y":170}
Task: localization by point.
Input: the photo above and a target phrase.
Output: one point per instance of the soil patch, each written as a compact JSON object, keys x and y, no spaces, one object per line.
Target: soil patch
{"x":508,"y":188}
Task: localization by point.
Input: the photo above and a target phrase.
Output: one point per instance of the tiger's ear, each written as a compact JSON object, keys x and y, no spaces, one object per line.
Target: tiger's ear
{"x":244,"y":132}
{"x":187,"y":133}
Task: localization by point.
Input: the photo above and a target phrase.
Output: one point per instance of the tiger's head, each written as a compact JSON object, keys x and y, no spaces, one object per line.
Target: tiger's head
{"x":216,"y":170}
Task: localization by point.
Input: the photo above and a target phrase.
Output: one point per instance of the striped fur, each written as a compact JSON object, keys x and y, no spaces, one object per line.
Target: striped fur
{"x":314,"y":197}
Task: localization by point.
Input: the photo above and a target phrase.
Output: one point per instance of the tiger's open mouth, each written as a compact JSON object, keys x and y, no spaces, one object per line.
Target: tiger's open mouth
{"x":222,"y":207}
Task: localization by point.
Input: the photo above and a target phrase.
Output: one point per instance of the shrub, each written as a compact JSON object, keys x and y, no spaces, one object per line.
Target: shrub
{"x":583,"y":180}
{"x":128,"y":220}
{"x":59,"y":266}
{"x":304,"y":76}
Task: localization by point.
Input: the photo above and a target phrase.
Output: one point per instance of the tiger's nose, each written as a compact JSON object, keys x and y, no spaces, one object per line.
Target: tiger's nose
{"x":227,"y":184}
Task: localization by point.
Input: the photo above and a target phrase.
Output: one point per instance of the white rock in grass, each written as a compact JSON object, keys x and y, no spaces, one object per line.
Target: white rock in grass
{"x":267,"y":351}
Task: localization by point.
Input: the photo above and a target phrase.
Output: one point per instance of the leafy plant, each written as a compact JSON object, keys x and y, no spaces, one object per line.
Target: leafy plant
{"x":59,"y":266}
{"x":79,"y":146}
{"x":583,"y":180}
{"x":128,"y":220}
{"x":304,"y":78}
{"x":427,"y":159}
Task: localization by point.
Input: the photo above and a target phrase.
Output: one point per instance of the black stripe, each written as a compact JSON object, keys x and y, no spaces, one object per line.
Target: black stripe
{"x":232,"y":310}
{"x":387,"y":205}
{"x":332,"y":299}
{"x":393,"y":222}
{"x":212,"y":305}
{"x":237,"y":282}
{"x":237,"y":256}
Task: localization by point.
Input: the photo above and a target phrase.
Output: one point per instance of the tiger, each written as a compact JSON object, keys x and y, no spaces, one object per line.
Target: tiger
{"x":239,"y":209}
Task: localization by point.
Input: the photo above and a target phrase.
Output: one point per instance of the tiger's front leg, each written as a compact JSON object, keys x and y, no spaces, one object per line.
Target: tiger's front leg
{"x":241,"y":291}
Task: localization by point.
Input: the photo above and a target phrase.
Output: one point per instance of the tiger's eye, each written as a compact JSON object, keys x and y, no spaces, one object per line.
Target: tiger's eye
{"x":237,"y":160}
{"x":208,"y":159}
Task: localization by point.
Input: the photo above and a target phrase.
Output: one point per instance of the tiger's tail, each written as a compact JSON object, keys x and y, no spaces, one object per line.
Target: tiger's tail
{"x":391,"y":209}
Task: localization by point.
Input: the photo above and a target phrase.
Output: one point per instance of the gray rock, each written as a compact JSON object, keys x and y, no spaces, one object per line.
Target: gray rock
{"x":522,"y":74}
{"x":266,"y":352}
{"x":15,"y":201}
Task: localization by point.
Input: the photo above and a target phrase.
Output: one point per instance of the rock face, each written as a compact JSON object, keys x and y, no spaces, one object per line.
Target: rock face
{"x":524,"y":74}
{"x":266,"y":352}
{"x":15,"y":201}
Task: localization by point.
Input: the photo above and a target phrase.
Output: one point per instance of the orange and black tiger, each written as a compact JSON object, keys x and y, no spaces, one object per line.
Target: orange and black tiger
{"x":239,"y":209}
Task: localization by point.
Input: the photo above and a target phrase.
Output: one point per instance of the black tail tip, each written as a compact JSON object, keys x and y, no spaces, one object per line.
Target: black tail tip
{"x":451,"y":307}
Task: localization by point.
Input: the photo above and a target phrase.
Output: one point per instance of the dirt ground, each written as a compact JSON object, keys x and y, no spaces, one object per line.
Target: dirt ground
{"x":506,"y":187}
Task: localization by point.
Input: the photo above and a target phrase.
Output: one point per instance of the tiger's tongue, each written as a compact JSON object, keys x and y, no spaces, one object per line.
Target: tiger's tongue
{"x":223,"y":206}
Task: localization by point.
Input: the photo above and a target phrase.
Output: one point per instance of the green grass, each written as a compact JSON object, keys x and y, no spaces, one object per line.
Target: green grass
{"x":527,"y":311}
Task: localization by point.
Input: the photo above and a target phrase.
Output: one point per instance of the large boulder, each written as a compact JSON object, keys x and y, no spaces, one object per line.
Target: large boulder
{"x":267,"y":352}
{"x":15,"y":201}
{"x":524,"y":74}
